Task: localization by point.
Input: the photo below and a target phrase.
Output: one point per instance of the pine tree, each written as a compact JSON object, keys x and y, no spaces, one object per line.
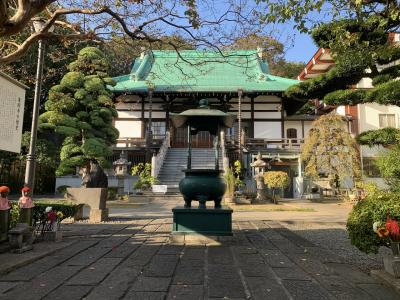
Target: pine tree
{"x":80,"y":108}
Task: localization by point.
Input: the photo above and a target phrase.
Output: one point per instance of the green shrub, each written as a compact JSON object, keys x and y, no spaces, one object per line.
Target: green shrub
{"x":69,"y":209}
{"x":374,"y":208}
{"x":145,"y":180}
{"x":112,"y":193}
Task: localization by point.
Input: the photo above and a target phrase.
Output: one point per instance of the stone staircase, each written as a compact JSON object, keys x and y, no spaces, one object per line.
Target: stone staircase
{"x":176,"y":161}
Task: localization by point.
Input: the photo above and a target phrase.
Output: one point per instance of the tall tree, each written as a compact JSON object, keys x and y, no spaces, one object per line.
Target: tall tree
{"x":81,"y":109}
{"x":207,"y":23}
{"x":329,"y":149}
{"x":274,"y":54}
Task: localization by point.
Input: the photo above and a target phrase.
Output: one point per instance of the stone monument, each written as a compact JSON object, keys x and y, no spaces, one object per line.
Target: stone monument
{"x":121,"y":170}
{"x":259,"y":167}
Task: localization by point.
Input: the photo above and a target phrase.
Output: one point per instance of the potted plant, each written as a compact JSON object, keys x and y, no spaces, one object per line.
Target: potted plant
{"x":276,"y":180}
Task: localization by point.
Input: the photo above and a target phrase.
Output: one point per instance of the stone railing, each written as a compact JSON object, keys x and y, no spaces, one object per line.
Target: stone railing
{"x":158,"y":160}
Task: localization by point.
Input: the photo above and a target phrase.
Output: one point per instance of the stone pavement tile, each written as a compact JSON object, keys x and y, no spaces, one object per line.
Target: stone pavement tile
{"x":189,"y":274}
{"x":149,"y":228}
{"x":115,"y":285}
{"x":244,"y":250}
{"x":87,"y":256}
{"x":69,"y":292}
{"x":306,"y":290}
{"x":169,"y":249}
{"x":287,"y":246}
{"x":142,"y":255}
{"x":220,"y":255}
{"x":11,"y":261}
{"x":324,"y":255}
{"x":309,"y":264}
{"x":193,"y":252}
{"x":224,"y":281}
{"x":151,"y":284}
{"x":294,"y":238}
{"x":95,"y":273}
{"x":122,"y":250}
{"x":379,"y":291}
{"x":292,"y":273}
{"x":259,"y":241}
{"x":341,"y":289}
{"x":32,"y":270}
{"x":257,"y":270}
{"x":263,"y":288}
{"x":276,"y":258}
{"x":112,"y":241}
{"x":5,"y":286}
{"x":185,"y":292}
{"x":145,"y":296}
{"x":350,"y":273}
{"x":161,"y":266}
{"x":43,"y":284}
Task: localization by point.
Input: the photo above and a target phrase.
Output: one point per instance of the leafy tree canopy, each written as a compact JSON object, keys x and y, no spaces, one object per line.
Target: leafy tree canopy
{"x":359,"y":37}
{"x":81,"y":109}
{"x":274,"y":54}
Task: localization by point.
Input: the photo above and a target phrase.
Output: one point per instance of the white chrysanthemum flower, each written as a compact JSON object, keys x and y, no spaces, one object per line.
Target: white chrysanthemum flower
{"x":48,"y":209}
{"x":375,"y":226}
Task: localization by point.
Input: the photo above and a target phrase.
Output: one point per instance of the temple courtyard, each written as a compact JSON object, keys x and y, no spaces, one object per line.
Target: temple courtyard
{"x":300,"y":251}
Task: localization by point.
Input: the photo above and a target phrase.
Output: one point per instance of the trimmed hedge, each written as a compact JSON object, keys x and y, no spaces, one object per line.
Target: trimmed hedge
{"x":374,"y":208}
{"x":68,"y":209}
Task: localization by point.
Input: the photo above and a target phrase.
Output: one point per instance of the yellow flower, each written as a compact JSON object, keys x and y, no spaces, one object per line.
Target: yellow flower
{"x":60,"y":215}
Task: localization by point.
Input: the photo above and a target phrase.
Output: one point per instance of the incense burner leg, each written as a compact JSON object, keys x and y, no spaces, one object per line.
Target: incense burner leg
{"x":188,"y":203}
{"x":217,"y":203}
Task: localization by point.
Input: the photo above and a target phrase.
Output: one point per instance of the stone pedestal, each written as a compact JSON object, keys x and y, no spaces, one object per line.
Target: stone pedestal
{"x":4,"y":222}
{"x":95,"y":198}
{"x":208,"y":221}
{"x":52,"y":236}
{"x":21,"y":238}
{"x":98,"y":215}
{"x":392,"y":265}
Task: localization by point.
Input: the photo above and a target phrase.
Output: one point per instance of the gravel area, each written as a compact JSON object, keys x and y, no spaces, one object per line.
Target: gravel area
{"x":334,"y":237}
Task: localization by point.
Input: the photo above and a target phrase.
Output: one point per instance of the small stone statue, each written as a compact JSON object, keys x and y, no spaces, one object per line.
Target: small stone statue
{"x":4,"y":202}
{"x":94,"y":177}
{"x":25,"y":204}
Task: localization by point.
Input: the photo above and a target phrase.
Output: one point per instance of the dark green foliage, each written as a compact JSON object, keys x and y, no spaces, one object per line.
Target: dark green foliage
{"x":389,"y":167}
{"x":341,"y":97}
{"x":81,"y":109}
{"x":384,"y":136}
{"x":112,"y":193}
{"x":374,"y":208}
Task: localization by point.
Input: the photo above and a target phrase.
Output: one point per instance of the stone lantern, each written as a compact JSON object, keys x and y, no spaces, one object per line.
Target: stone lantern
{"x":259,"y":167}
{"x":121,"y":170}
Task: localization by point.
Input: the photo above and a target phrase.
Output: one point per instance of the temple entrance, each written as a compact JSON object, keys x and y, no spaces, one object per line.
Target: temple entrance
{"x":203,"y":139}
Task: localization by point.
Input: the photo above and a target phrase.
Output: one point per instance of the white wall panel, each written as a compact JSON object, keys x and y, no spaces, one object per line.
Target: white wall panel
{"x":267,"y":115}
{"x":265,"y":106}
{"x":245,"y":106}
{"x":129,"y":114}
{"x":129,"y":129}
{"x":267,"y":130}
{"x":155,"y":114}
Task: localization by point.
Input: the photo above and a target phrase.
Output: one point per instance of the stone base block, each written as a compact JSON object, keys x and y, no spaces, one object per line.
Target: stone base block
{"x":52,"y":236}
{"x":98,"y":215}
{"x":392,"y":265}
{"x":208,"y":221}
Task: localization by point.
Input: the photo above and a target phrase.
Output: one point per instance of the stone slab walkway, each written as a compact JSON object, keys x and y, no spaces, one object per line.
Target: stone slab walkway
{"x":135,"y":260}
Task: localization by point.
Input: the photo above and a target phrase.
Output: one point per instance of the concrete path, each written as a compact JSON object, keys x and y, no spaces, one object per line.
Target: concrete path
{"x":134,"y":260}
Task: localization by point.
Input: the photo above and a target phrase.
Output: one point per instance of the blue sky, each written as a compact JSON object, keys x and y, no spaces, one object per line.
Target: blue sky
{"x":302,"y":50}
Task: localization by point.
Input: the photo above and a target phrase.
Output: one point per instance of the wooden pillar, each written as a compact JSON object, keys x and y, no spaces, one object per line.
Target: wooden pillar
{"x":240,"y":94}
{"x":144,"y":124}
{"x":282,"y":120}
{"x":302,"y":129}
{"x":252,"y":116}
{"x":149,"y":133}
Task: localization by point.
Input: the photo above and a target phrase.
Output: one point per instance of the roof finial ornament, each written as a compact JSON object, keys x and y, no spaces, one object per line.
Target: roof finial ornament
{"x":203,"y":103}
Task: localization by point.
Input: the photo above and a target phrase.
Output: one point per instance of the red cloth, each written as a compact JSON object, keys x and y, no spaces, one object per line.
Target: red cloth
{"x":4,"y":189}
{"x":25,"y":189}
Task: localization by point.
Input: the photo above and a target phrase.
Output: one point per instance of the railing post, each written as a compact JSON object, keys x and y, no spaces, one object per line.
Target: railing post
{"x":153,"y":165}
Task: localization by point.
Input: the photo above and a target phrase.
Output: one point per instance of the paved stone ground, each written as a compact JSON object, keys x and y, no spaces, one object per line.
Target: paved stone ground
{"x":134,"y":260}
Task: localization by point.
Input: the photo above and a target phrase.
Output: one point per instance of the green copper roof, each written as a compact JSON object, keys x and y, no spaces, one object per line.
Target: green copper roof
{"x":200,"y":71}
